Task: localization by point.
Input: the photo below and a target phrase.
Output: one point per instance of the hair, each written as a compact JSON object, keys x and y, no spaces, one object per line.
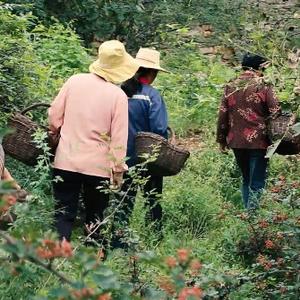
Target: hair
{"x":252,"y":62}
{"x":132,"y":85}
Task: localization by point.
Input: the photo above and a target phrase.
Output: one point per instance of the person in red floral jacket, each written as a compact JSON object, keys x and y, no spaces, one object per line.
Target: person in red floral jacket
{"x":247,"y":103}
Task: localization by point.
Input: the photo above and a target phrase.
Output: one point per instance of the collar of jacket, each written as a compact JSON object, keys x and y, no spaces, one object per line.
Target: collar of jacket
{"x":143,"y":80}
{"x":250,"y":73}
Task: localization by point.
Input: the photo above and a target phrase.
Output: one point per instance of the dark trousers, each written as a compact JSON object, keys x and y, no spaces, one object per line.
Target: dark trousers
{"x":253,"y":165}
{"x":152,"y":191}
{"x":67,"y":187}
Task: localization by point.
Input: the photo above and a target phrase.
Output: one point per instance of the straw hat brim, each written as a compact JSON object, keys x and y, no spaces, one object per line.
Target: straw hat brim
{"x":145,"y":64}
{"x":117,"y":74}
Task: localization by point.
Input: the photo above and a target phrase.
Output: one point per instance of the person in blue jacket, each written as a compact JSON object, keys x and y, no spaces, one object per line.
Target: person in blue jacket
{"x":148,"y":113}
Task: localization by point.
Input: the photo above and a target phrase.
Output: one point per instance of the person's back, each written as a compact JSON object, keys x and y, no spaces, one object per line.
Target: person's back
{"x":90,"y":107}
{"x":246,"y":105}
{"x":90,"y":114}
{"x":146,"y":112}
{"x":248,"y":101}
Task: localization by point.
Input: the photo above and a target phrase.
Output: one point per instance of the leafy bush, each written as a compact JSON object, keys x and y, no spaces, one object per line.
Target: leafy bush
{"x":191,"y":207}
{"x":20,"y":69}
{"x":33,"y":64}
{"x":270,"y":248}
{"x":101,"y":19}
{"x":194,"y":88}
{"x":60,"y":49}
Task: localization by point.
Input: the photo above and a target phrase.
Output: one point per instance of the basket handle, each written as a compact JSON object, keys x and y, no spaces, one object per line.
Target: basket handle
{"x":172,"y":138}
{"x":26,"y":110}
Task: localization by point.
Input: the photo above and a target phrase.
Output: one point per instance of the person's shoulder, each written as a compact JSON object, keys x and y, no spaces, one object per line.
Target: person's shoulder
{"x":79,"y":76}
{"x":151,"y":91}
{"x":242,"y":81}
{"x":151,"y":88}
{"x":76,"y":78}
{"x":121,"y":94}
{"x":266,"y":83}
{"x":116,"y":91}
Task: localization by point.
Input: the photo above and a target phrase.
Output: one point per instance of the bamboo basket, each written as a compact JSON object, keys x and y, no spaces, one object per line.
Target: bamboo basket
{"x":279,"y":128}
{"x":170,"y":158}
{"x":20,"y":144}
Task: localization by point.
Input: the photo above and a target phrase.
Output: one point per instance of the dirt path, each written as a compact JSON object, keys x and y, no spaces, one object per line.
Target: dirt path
{"x":191,"y":143}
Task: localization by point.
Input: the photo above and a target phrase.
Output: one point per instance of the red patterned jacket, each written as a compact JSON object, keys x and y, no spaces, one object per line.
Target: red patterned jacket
{"x":246,"y":104}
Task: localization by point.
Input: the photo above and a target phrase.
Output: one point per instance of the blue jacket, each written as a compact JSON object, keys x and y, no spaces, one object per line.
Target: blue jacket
{"x":147,"y":112}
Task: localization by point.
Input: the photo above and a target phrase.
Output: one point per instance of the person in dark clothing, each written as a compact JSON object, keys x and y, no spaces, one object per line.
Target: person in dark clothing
{"x":247,"y":103}
{"x":147,"y":112}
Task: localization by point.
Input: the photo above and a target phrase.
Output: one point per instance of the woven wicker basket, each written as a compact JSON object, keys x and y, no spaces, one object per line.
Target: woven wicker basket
{"x":170,"y":159}
{"x":19,"y":144}
{"x":279,"y":128}
{"x":288,"y":148}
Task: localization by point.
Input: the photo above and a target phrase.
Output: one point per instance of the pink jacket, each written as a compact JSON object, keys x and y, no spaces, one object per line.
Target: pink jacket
{"x":92,"y":116}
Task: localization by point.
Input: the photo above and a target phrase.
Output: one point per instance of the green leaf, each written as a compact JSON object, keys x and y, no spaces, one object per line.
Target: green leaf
{"x":106,"y":279}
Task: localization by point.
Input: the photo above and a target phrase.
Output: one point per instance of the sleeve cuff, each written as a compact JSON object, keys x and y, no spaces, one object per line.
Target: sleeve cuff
{"x":120,"y":168}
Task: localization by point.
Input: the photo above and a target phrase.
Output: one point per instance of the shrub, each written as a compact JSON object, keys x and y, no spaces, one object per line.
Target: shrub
{"x":34,"y":63}
{"x":61,"y":49}
{"x":20,"y":70}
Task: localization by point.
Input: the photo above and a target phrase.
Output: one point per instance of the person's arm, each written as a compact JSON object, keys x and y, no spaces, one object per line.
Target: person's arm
{"x":119,"y":134}
{"x":158,"y":116}
{"x":57,"y":110}
{"x":272,"y":102}
{"x":223,"y":123}
{"x":7,"y":177}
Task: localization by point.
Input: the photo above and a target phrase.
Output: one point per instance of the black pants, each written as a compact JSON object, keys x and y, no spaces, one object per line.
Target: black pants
{"x":152,"y":191}
{"x":67,"y":188}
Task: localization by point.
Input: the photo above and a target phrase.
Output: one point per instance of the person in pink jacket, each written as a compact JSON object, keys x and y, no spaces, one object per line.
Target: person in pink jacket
{"x":91,"y":115}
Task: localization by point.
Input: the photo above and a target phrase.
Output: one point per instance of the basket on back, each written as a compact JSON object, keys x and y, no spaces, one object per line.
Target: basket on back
{"x":170,"y":159}
{"x":20,"y":144}
{"x":281,"y":128}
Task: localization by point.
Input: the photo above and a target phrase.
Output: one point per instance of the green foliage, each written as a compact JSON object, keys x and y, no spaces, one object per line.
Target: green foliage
{"x":60,"y":48}
{"x":202,"y":205}
{"x":192,"y":206}
{"x":18,"y":72}
{"x":199,"y":81}
{"x":34,"y":61}
{"x":100,"y":19}
{"x":270,"y":248}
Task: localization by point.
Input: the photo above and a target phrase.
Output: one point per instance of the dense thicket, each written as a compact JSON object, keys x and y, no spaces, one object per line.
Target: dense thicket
{"x":34,"y":59}
{"x":261,"y":27}
{"x":141,"y":21}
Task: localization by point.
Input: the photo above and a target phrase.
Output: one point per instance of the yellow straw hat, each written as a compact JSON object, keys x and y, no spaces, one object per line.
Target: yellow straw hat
{"x":114,"y":64}
{"x":149,"y":58}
